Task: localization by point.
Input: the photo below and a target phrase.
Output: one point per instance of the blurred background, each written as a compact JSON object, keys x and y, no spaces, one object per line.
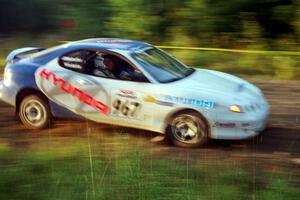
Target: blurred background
{"x":86,"y":160}
{"x":236,"y":24}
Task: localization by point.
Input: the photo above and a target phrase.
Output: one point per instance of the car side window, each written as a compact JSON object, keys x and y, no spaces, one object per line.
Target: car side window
{"x":77,"y":61}
{"x":116,"y":68}
{"x":101,"y":65}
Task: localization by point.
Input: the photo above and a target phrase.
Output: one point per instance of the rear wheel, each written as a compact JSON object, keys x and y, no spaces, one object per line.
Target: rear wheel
{"x":187,"y":129}
{"x":34,"y":112}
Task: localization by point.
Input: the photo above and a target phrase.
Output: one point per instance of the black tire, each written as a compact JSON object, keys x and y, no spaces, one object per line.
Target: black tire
{"x":187,"y":129}
{"x":34,"y":112}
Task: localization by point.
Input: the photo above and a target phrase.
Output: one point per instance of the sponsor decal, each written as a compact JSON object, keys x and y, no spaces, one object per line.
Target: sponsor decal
{"x":73,"y":66}
{"x":72,"y":62}
{"x":113,"y":41}
{"x":72,"y":90}
{"x":188,"y":101}
{"x":126,"y":93}
{"x":165,"y":103}
{"x":152,"y":99}
{"x":225,"y":124}
{"x":72,"y":59}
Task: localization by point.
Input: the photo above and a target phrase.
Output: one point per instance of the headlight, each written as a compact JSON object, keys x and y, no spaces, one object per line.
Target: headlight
{"x":236,"y":108}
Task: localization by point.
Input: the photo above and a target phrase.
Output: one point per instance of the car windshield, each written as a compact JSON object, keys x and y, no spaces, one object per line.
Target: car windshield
{"x":163,"y":67}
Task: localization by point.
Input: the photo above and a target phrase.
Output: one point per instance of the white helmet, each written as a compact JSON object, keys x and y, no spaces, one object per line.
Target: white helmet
{"x":98,"y":61}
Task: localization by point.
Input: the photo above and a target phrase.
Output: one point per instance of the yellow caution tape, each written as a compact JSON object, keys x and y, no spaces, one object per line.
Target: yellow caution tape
{"x":65,"y":41}
{"x":290,"y":53}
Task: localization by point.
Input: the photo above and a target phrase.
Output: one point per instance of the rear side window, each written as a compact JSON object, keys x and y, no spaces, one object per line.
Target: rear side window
{"x":76,"y":61}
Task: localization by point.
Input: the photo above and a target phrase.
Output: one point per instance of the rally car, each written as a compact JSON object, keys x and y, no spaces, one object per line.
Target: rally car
{"x":134,"y":84}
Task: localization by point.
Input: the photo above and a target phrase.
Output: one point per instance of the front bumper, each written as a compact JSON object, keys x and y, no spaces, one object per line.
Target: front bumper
{"x":240,"y":127}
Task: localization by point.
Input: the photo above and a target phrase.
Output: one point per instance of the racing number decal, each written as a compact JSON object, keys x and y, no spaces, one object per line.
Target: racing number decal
{"x":126,"y":108}
{"x":125,"y":104}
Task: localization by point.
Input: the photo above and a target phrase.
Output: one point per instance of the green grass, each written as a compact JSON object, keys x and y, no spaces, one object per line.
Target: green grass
{"x":118,"y":168}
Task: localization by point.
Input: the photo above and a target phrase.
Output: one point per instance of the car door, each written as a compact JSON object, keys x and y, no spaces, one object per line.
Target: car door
{"x":67,"y":82}
{"x":127,"y":104}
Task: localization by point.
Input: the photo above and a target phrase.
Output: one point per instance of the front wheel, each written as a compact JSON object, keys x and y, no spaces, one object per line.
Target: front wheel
{"x":187,"y":129}
{"x":34,"y":112}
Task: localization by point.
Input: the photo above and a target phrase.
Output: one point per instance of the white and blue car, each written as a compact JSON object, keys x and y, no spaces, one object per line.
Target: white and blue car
{"x":134,"y":84}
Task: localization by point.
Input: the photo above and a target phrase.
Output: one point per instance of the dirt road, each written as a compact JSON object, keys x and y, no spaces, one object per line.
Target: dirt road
{"x":275,"y":151}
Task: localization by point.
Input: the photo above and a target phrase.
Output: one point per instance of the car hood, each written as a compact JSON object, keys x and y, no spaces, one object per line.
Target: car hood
{"x":215,"y":82}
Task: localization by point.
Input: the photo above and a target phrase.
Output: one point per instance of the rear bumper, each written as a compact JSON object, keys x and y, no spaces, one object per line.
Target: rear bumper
{"x":6,"y":94}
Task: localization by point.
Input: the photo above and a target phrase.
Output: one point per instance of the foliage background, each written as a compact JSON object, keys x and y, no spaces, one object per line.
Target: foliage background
{"x":58,"y":165}
{"x":236,"y":24}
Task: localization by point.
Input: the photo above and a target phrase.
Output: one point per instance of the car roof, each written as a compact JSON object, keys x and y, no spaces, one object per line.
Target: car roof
{"x":111,"y":44}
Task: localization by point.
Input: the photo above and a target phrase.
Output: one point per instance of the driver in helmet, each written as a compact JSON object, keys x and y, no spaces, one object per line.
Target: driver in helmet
{"x":104,"y":66}
{"x":110,"y":67}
